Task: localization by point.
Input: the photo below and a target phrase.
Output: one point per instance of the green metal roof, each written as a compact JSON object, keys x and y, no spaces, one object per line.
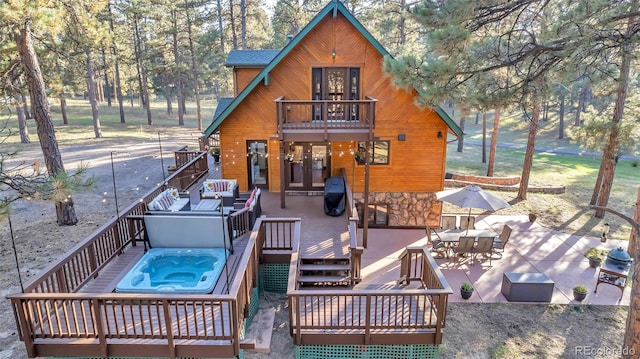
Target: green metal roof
{"x":333,"y":8}
{"x":250,"y":58}
{"x":223,"y":103}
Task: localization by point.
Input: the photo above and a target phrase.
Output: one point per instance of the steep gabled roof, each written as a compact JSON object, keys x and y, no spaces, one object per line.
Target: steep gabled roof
{"x":333,"y":7}
{"x":250,"y":58}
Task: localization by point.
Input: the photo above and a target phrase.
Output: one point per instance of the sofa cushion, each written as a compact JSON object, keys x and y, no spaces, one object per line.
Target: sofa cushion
{"x":250,"y":199}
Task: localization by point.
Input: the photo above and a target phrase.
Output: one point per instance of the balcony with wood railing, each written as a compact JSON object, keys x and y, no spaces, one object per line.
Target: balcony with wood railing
{"x":326,"y":120}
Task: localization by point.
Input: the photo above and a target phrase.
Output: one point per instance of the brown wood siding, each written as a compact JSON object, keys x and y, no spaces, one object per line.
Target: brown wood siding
{"x":416,"y":164}
{"x":243,"y":77}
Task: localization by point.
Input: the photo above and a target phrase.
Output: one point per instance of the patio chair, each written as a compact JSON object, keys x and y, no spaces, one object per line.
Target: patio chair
{"x":500,"y":242}
{"x":448,"y":222}
{"x":468,"y":222}
{"x":465,"y":246}
{"x":437,"y":246}
{"x":484,"y":246}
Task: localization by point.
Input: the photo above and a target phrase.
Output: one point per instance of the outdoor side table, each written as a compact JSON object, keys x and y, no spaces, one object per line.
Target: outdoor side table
{"x":527,"y":287}
{"x":614,"y":274}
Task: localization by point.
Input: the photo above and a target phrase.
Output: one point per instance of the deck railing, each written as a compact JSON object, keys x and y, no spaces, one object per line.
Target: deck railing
{"x":159,"y":325}
{"x":50,"y":314}
{"x":366,"y":317}
{"x":327,"y":114}
{"x":190,"y":172}
{"x":355,"y":244}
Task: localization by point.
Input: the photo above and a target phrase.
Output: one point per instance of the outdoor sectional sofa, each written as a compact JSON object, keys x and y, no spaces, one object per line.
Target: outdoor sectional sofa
{"x":169,"y":200}
{"x":227,"y":189}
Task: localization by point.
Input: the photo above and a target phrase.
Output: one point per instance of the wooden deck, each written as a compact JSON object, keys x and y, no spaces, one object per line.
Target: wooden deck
{"x":71,"y":309}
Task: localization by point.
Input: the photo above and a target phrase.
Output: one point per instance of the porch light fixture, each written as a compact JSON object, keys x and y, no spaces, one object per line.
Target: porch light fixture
{"x":605,"y":232}
{"x":439,"y":134}
{"x":333,"y":54}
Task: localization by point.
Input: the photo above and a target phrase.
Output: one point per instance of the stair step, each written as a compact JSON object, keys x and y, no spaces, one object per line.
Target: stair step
{"x":323,"y":279}
{"x":325,"y":267}
{"x":316,"y":261}
{"x":258,"y":336}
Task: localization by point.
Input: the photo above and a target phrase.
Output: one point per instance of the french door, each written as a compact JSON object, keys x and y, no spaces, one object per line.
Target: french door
{"x":257,"y":164}
{"x":307,"y":166}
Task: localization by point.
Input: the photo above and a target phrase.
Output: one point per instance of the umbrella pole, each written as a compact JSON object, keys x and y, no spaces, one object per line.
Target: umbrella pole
{"x":468,"y":220}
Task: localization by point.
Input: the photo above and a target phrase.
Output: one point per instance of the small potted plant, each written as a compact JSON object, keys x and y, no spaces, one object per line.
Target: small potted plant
{"x":533,"y":215}
{"x":360,"y":157}
{"x":579,"y":292}
{"x":215,"y":153}
{"x":594,"y":260}
{"x":466,"y":290}
{"x":171,"y":168}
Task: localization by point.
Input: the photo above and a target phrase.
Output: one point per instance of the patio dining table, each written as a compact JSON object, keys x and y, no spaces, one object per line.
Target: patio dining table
{"x":449,"y":236}
{"x":452,"y":236}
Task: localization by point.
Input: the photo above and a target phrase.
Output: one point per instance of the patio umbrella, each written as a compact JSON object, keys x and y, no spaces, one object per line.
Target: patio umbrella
{"x":472,"y":197}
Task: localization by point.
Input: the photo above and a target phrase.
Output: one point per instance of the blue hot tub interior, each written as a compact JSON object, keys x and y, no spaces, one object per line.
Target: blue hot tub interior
{"x":176,"y":270}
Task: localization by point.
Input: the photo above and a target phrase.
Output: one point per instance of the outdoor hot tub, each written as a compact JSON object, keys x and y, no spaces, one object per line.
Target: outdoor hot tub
{"x":175,"y":270}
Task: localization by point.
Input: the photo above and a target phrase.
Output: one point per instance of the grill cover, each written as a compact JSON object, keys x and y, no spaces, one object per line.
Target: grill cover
{"x":334,"y":201}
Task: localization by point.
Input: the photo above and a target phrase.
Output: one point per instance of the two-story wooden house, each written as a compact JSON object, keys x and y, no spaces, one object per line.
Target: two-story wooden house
{"x":323,"y":103}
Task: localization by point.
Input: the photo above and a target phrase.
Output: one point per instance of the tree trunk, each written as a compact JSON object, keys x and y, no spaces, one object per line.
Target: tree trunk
{"x":484,"y":137}
{"x":633,"y":246}
{"x":477,"y":118}
{"x":561,"y":122}
{"x":167,"y":97}
{"x":107,"y":89}
{"x":610,"y":153}
{"x":194,"y":70}
{"x":243,"y":23}
{"x":220,"y":28}
{"x":402,"y":25}
{"x":461,"y":138}
{"x":141,"y":72}
{"x":63,"y":109}
{"x":92,"y":95}
{"x":494,"y":142}
{"x":65,"y":212}
{"x":25,"y":108}
{"x":178,"y":74}
{"x":118,"y":85}
{"x":528,"y":156}
{"x":22,"y":122}
{"x":232,"y":24}
{"x":580,"y":108}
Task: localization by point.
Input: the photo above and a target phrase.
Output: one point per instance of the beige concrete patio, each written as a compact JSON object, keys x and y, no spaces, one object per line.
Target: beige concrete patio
{"x":531,"y":248}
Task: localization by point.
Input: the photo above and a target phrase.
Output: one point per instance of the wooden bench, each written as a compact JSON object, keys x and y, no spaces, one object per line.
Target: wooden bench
{"x":527,"y":287}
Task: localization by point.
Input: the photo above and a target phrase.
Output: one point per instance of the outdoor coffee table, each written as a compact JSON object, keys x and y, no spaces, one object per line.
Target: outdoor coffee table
{"x":209,"y":205}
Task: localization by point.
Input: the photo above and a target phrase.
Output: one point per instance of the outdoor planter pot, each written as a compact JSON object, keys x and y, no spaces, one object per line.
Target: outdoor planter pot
{"x":594,"y":261}
{"x":466,"y":290}
{"x":579,"y":293}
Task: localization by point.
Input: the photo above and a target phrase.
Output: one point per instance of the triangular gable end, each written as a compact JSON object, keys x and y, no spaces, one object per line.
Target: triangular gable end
{"x":333,"y":8}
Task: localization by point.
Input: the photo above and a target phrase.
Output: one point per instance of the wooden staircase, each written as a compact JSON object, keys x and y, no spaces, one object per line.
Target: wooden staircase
{"x":324,"y":271}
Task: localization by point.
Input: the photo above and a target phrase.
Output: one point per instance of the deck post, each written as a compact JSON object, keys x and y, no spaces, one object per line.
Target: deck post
{"x":282,"y":174}
{"x":365,"y":210}
{"x":102,"y":340}
{"x":167,"y":325}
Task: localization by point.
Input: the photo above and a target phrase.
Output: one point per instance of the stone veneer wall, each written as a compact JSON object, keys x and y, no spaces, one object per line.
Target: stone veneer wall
{"x":412,"y":209}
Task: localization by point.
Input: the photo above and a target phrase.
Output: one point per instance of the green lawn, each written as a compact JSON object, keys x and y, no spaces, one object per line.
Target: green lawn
{"x":568,"y":211}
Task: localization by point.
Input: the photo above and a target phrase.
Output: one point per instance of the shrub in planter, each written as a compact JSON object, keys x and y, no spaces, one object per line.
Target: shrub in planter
{"x":579,"y":292}
{"x":594,"y":261}
{"x":466,"y":290}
